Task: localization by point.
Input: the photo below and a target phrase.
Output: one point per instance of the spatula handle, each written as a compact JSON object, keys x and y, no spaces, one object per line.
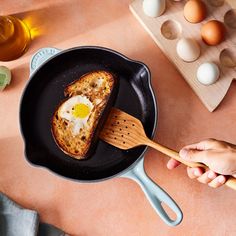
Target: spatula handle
{"x":173,"y":154}
{"x":231,"y":181}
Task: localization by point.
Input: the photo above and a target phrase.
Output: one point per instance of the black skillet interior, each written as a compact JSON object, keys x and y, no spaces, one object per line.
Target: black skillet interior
{"x":45,"y":91}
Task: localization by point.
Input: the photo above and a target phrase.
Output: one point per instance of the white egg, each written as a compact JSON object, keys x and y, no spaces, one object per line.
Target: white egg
{"x":154,"y":8}
{"x":76,"y":110}
{"x":188,"y":49}
{"x":208,"y":73}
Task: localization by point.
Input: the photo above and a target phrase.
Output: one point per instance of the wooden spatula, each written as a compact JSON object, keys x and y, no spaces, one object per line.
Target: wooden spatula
{"x":125,"y":131}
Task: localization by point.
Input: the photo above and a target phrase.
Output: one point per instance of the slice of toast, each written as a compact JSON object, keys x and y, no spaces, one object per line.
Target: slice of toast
{"x":100,"y":88}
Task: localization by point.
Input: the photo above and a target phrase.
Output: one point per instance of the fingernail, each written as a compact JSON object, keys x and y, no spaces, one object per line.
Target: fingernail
{"x":183,"y":153}
{"x":196,"y":173}
{"x":221,"y":179}
{"x":211,"y":175}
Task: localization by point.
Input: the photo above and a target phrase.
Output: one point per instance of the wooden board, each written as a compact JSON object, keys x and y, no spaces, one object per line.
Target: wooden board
{"x":171,"y":22}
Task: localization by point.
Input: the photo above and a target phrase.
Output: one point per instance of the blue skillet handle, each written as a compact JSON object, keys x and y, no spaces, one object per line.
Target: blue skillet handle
{"x":155,"y":194}
{"x":41,"y":56}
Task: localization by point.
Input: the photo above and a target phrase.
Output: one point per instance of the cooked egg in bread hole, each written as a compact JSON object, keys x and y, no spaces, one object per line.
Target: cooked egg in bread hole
{"x":76,"y":111}
{"x":78,"y":119}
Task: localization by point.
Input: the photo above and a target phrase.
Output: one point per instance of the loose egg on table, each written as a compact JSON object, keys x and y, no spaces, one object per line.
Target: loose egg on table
{"x":188,"y":49}
{"x":195,"y":11}
{"x":213,"y":32}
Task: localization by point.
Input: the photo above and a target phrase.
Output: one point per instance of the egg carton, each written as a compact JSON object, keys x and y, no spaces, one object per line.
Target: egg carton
{"x":168,"y":28}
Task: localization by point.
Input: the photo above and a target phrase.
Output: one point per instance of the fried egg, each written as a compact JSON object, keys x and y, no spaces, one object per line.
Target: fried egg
{"x":76,"y":110}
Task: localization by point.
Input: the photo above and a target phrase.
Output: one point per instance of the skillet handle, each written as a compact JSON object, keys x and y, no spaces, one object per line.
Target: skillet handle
{"x":155,"y":194}
{"x":41,"y":56}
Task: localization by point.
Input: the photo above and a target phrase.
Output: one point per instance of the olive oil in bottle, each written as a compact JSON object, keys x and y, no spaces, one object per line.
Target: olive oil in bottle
{"x":14,"y":38}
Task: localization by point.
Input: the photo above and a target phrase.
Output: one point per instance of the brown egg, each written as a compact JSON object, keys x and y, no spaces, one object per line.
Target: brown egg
{"x":195,"y":11}
{"x":213,"y":32}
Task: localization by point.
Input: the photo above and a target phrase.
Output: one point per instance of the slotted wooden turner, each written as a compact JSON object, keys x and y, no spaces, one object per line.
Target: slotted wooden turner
{"x":125,"y":131}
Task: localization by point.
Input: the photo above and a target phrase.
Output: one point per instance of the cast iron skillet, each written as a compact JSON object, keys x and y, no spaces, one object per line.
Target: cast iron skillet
{"x":44,"y":92}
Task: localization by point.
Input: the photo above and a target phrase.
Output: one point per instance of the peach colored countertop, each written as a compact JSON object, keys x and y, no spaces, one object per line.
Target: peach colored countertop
{"x":118,"y":206}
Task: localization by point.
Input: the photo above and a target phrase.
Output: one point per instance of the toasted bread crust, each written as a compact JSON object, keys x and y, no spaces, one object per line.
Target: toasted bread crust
{"x":98,"y":87}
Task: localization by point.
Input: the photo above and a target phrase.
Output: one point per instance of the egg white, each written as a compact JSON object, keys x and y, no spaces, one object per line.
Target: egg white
{"x":66,"y":112}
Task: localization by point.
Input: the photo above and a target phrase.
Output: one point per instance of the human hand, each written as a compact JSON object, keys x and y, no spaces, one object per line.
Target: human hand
{"x":219,"y":156}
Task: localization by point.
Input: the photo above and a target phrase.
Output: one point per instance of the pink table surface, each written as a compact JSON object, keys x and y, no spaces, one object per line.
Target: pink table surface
{"x":118,"y":206}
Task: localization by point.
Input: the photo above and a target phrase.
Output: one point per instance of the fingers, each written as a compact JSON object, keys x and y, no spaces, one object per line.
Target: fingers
{"x":218,"y":181}
{"x":171,"y":164}
{"x":193,"y":155}
{"x":209,"y":177}
{"x":194,"y":173}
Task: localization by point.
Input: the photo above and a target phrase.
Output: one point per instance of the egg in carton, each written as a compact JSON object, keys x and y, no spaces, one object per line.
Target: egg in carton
{"x":171,"y":28}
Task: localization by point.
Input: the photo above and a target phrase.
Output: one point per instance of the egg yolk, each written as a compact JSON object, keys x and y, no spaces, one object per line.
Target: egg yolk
{"x":80,"y":110}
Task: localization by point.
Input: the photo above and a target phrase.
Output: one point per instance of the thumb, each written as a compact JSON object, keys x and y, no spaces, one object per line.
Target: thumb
{"x":192,"y":155}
